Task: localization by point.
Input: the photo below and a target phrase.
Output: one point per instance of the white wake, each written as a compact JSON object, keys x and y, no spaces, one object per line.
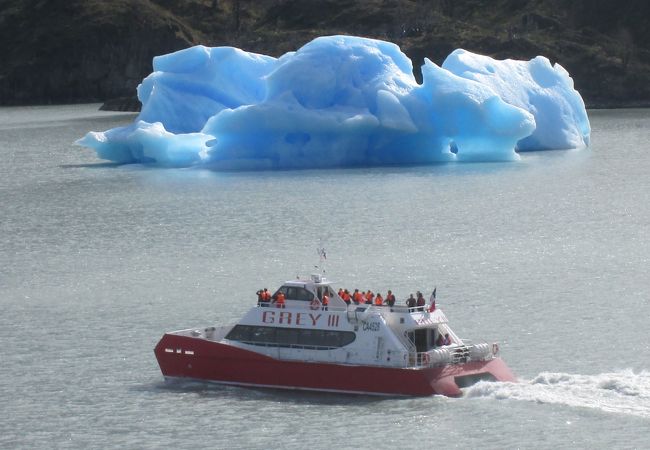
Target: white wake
{"x":623,"y":392}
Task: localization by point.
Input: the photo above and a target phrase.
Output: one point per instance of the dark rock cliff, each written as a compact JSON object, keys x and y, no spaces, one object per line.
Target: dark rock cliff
{"x":61,"y":51}
{"x":77,"y":51}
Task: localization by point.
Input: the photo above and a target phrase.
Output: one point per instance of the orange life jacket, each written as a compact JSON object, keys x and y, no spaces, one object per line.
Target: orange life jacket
{"x":378,"y":300}
{"x":280,"y":299}
{"x":358,"y":298}
{"x":326,"y":300}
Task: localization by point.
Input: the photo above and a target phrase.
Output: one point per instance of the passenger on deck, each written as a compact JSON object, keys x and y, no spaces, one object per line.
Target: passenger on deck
{"x":440,"y":341}
{"x":379,"y":301}
{"x":447,"y":340}
{"x":263,"y":297}
{"x":357,"y":297}
{"x":390,"y":299}
{"x":410,"y":302}
{"x":347,"y":298}
{"x":279,"y":300}
{"x":420,"y":301}
{"x":369,"y":297}
{"x":325,"y":301}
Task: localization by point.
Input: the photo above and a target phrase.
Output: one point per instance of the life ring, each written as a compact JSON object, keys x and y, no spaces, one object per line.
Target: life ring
{"x":495,"y":349}
{"x":315,"y":304}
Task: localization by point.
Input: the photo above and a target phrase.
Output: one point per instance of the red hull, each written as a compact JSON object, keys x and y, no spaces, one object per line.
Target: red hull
{"x":212,"y":361}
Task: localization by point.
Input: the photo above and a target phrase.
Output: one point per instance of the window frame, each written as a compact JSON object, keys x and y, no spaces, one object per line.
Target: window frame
{"x":309,"y":338}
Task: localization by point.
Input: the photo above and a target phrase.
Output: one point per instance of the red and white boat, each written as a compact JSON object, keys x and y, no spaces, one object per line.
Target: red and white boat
{"x":360,"y":349}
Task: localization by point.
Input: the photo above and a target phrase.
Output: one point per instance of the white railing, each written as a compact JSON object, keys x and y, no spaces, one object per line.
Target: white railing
{"x":408,"y":343}
{"x":401,"y":309}
{"x":307,"y":306}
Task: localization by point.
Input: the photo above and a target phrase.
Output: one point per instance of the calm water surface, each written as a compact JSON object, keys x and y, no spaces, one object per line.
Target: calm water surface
{"x":549,"y":255}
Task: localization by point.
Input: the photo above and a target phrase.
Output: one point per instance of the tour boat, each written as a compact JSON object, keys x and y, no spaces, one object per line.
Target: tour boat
{"x":355,"y":348}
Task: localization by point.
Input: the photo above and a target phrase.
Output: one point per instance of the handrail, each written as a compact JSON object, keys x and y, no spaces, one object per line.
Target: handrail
{"x":410,"y":345}
{"x":306,"y":306}
{"x":425,"y":359}
{"x":402,"y":309}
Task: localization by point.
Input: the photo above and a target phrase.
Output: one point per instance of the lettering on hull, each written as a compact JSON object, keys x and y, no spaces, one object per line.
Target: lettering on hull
{"x":332,"y":321}
{"x":300,"y":318}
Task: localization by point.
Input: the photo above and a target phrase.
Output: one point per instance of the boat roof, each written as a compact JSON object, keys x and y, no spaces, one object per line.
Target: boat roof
{"x":313,"y":279}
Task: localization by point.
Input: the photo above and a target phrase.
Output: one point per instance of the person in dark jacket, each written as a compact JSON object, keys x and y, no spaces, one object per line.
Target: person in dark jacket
{"x":420,"y":301}
{"x":390,"y":299}
{"x":411,"y":302}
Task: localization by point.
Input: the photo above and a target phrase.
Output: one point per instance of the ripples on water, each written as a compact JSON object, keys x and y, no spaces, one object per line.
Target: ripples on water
{"x":548,"y":255}
{"x":623,"y":392}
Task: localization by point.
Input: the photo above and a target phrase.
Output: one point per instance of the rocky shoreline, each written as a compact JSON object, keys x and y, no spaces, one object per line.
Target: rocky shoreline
{"x":94,"y":50}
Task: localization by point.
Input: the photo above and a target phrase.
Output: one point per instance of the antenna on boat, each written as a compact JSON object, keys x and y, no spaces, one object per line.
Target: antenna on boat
{"x":322,"y":257}
{"x":322,"y":254}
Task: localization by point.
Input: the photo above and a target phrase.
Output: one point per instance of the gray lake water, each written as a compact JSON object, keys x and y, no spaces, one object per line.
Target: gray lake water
{"x":549,"y":255}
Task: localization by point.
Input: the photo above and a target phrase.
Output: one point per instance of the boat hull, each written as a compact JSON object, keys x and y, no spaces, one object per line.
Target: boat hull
{"x":200,"y":359}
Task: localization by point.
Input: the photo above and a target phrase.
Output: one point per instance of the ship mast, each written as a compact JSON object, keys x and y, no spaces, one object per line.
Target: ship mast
{"x":322,"y":257}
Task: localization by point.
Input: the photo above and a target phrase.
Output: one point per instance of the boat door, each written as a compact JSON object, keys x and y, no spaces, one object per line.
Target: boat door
{"x":379,"y":356}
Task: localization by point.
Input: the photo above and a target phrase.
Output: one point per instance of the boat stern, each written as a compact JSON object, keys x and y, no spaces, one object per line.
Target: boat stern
{"x":452,"y":379}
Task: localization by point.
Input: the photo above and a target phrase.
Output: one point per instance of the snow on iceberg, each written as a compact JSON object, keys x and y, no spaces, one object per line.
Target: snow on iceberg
{"x":338,"y":101}
{"x":536,"y":86}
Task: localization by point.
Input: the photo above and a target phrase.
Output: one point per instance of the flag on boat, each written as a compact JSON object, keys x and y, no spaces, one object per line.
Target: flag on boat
{"x":432,"y":300}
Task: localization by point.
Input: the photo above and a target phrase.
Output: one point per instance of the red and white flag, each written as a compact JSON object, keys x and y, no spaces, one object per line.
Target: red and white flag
{"x":432,"y":301}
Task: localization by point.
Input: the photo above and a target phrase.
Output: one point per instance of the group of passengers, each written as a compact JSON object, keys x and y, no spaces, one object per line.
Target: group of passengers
{"x":418,"y":303}
{"x":264,"y":298}
{"x":367,"y":297}
{"x":443,"y":340}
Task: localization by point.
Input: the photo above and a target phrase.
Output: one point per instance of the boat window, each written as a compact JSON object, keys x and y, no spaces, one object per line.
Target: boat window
{"x":263,"y":334}
{"x":296,"y":293}
{"x":291,"y":337}
{"x":337,"y":337}
{"x":310,"y":337}
{"x":286,"y":336}
{"x":325,"y":290}
{"x":240,"y":333}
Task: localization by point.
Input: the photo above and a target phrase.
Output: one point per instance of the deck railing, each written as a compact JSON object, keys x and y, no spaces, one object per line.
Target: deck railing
{"x":359,"y":308}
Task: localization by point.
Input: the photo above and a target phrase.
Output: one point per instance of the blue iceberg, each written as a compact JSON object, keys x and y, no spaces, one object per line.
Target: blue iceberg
{"x":342,"y":101}
{"x":544,"y":90}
